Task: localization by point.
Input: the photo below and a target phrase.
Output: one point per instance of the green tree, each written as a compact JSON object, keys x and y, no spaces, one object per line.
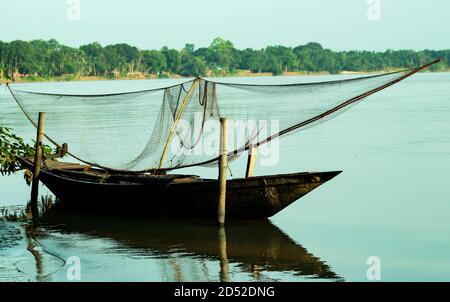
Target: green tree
{"x":274,"y":65}
{"x":258,"y":61}
{"x":189,"y":48}
{"x":154,"y":61}
{"x":204,"y":53}
{"x":247,"y":58}
{"x":19,"y":57}
{"x":125,"y":55}
{"x":50,"y":58}
{"x":96,"y":59}
{"x":191,"y":65}
{"x":285,"y":55}
{"x":222,"y":54}
{"x":173,"y":59}
{"x":3,"y":63}
{"x":42,"y":50}
{"x":308,"y":56}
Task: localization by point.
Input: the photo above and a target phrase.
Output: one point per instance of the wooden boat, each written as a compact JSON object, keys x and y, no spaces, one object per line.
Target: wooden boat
{"x":87,"y":189}
{"x":100,"y":188}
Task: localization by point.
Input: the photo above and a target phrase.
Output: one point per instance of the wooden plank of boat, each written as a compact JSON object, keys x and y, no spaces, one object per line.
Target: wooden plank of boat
{"x":57,"y":165}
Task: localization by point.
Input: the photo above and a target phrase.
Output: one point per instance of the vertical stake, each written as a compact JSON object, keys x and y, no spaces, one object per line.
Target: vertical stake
{"x":223,"y":166}
{"x":251,"y":161}
{"x":37,"y":167}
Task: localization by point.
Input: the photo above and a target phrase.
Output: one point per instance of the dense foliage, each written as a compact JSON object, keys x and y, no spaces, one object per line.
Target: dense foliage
{"x":40,"y":58}
{"x":12,"y":148}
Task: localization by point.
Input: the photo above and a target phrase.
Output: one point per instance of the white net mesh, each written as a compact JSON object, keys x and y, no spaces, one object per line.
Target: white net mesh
{"x":178,"y":126}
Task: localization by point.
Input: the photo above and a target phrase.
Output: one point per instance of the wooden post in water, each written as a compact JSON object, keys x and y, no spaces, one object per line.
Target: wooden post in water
{"x":250,"y":161}
{"x":223,"y":165}
{"x":37,"y":167}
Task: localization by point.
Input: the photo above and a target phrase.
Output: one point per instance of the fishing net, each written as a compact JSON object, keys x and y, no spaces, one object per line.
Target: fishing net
{"x":178,"y":126}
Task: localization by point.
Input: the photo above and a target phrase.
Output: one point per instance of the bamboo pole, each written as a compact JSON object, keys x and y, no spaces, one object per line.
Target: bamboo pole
{"x":37,"y":167}
{"x":223,"y":165}
{"x":177,"y":119}
{"x":251,"y":161}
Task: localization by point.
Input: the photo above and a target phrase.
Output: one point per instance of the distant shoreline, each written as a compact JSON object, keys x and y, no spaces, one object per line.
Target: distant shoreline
{"x":239,"y":73}
{"x":50,"y":61}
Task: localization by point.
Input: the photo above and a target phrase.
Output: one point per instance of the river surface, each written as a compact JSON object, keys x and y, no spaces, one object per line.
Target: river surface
{"x":392,"y":202}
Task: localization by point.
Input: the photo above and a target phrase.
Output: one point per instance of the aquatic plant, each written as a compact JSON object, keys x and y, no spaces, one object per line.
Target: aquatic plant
{"x":22,"y":213}
{"x":13,"y":213}
{"x":47,"y":202}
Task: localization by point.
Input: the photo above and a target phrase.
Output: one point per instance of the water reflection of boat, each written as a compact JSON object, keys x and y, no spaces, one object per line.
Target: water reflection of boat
{"x":255,"y":247}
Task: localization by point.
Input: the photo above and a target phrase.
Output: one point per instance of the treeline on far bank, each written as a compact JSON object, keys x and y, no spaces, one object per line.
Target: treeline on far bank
{"x":47,"y":59}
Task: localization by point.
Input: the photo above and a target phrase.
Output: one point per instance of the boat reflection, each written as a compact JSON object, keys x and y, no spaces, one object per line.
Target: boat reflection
{"x":254,"y":247}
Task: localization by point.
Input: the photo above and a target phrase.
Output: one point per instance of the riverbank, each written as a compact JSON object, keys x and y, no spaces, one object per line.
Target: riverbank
{"x":68,"y":78}
{"x":238,"y":73}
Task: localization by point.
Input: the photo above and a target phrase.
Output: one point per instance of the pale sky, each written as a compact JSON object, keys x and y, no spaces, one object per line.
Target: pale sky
{"x":151,"y":24}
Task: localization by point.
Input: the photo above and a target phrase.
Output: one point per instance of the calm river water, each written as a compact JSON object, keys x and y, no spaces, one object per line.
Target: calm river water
{"x":391,"y":202}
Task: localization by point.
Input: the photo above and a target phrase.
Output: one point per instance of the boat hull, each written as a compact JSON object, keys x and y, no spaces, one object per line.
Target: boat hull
{"x":250,"y":198}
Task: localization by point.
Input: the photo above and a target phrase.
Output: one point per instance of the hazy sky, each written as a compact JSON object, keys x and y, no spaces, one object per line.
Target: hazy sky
{"x":148,"y":24}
